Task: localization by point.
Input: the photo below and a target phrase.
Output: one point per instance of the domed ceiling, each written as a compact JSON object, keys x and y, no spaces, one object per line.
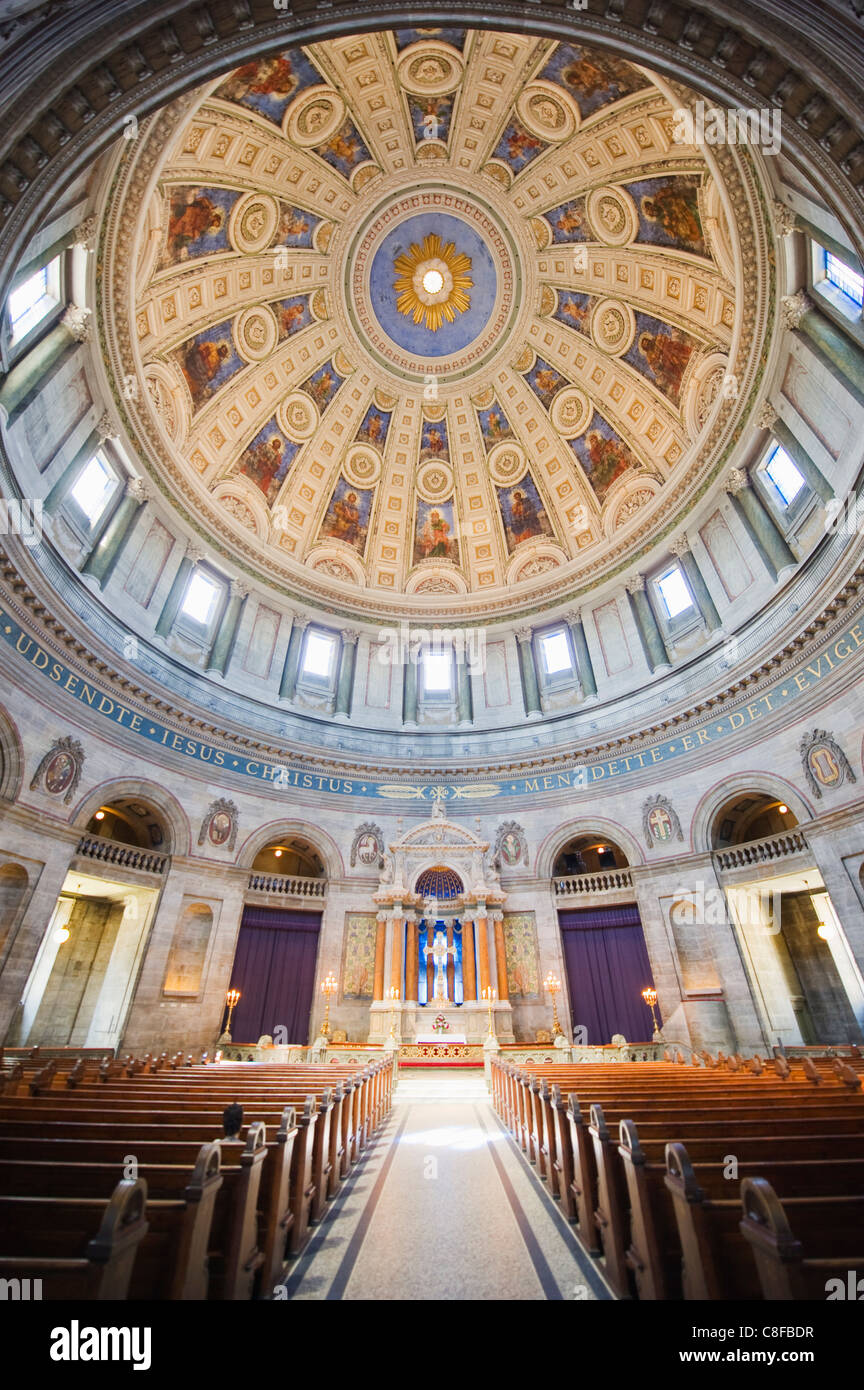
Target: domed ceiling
{"x":433,"y":312}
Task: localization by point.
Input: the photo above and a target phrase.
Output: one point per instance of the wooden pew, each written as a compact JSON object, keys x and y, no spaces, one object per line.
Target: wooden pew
{"x":716,"y":1263}
{"x":48,"y":1238}
{"x":287,"y":1182}
{"x":788,"y":1263}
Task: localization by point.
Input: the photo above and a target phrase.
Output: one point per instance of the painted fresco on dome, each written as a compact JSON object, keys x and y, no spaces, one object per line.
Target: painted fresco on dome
{"x":345,"y":149}
{"x":433,"y":441}
{"x":592,"y":79}
{"x":296,"y":226}
{"x":517,"y":146}
{"x":431,"y":118}
{"x":669,"y":212}
{"x":270,"y":84}
{"x":322,"y":385}
{"x":574,"y":309}
{"x":435,"y":532}
{"x":347,"y":516}
{"x":523,"y":513}
{"x":292,"y":315}
{"x":197,"y":222}
{"x":661,"y":353}
{"x":208,"y":361}
{"x":266,"y":460}
{"x":545,"y":381}
{"x":374,"y":426}
{"x":569,"y":222}
{"x":602,"y":454}
{"x":494,"y":426}
{"x":405,"y":37}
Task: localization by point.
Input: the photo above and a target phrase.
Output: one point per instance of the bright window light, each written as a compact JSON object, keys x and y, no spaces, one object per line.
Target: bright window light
{"x":200,"y":598}
{"x":839,"y":274}
{"x":784,"y":475}
{"x":556,"y":652}
{"x":318,"y":654}
{"x":94,"y":488}
{"x":30,"y":302}
{"x":437,"y":670}
{"x":674,"y":593}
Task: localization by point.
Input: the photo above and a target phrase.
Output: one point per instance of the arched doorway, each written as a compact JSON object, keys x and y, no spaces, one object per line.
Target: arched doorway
{"x":804,"y":977}
{"x":82,"y":981}
{"x":277,"y":946}
{"x":604,"y":949}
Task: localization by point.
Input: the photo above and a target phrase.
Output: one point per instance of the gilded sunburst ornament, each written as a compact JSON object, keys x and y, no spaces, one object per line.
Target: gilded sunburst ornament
{"x":432,"y":282}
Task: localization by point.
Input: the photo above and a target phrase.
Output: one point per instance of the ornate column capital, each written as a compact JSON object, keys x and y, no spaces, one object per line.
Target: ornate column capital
{"x":301,"y":621}
{"x":766,"y":416}
{"x":105,"y":427}
{"x":793,"y":307}
{"x":239,"y":588}
{"x":524,"y":634}
{"x":194,"y":552}
{"x":573,"y":616}
{"x":785,"y":221}
{"x":77,"y":320}
{"x":635,"y":584}
{"x":736,"y":481}
{"x":137,"y":488}
{"x":350,"y":637}
{"x":680,"y":546}
{"x":85,"y":233}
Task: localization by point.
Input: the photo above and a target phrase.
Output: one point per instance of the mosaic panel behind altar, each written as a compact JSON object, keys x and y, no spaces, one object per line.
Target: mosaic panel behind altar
{"x":358,"y":955}
{"x":523,"y":958}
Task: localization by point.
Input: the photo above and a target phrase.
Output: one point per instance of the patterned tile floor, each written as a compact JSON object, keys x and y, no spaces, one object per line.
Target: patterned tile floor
{"x":444,"y":1206}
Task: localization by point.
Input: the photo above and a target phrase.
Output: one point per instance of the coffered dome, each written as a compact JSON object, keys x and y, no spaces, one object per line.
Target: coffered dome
{"x":432,"y":312}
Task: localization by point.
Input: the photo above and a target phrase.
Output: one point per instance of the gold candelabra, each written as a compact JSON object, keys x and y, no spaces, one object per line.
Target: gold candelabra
{"x":232,"y":999}
{"x":488,"y":995}
{"x":393,"y":995}
{"x":552,"y":985}
{"x":329,"y":986}
{"x":650,"y":997}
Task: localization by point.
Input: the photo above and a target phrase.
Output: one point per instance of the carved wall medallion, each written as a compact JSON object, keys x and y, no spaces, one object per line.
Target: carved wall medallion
{"x":60,"y":770}
{"x":510,"y":843}
{"x":825,"y":763}
{"x":219,"y":826}
{"x":660,"y":822}
{"x":367,"y":847}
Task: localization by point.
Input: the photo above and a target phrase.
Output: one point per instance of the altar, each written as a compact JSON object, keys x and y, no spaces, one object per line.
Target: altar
{"x":439,"y":947}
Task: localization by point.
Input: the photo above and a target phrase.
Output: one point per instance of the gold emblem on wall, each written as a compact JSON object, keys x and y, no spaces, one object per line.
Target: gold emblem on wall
{"x":432,"y":282}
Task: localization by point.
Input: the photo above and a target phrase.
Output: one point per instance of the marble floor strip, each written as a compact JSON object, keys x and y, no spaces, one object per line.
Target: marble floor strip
{"x":443,"y":1206}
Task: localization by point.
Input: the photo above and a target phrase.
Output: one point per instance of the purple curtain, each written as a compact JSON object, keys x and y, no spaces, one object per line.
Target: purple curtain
{"x":607,"y":969}
{"x":274,"y":970}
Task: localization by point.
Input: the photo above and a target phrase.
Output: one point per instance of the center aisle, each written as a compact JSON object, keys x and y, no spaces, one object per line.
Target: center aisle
{"x":443,"y":1206}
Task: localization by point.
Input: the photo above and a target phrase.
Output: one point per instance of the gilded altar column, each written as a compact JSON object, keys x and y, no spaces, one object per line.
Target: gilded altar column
{"x":412,"y":962}
{"x":469,"y":974}
{"x":483,"y":950}
{"x":450,"y":967}
{"x":500,"y":955}
{"x":396,"y":981}
{"x":380,"y":949}
{"x":430,"y":964}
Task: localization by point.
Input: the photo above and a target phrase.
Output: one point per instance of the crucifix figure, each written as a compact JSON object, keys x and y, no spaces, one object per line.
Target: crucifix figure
{"x":439,"y":952}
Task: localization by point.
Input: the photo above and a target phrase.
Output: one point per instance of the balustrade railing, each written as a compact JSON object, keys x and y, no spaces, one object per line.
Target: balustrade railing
{"x":106,"y":851}
{"x":762,"y":851}
{"x":602,"y":881}
{"x":287,"y":886}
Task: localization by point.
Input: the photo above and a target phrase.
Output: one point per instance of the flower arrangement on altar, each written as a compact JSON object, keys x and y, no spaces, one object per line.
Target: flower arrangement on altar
{"x":440,"y":1025}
